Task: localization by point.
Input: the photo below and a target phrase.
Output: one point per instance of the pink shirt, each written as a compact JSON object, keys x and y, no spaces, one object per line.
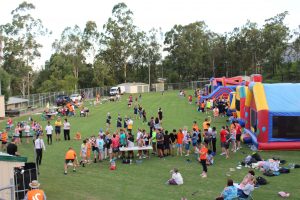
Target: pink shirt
{"x":115,"y":142}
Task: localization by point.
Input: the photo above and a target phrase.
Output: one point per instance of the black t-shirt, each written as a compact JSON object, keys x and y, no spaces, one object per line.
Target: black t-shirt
{"x":160,"y":115}
{"x":167,"y":139}
{"x":12,"y":149}
{"x":160,"y":136}
{"x":108,"y":143}
{"x":172,"y":137}
{"x":108,"y":119}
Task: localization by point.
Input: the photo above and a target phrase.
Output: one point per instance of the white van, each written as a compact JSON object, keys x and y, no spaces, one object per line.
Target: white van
{"x":115,"y":90}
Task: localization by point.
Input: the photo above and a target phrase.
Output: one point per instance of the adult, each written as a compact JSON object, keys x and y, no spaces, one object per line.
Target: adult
{"x":27,"y":132}
{"x":39,"y":146}
{"x":180,"y":137}
{"x":12,"y":148}
{"x":119,"y":122}
{"x":58,"y":125}
{"x":229,"y":192}
{"x":49,"y":130}
{"x":70,"y":159}
{"x":160,"y":143}
{"x":67,"y":127}
{"x":214,"y":139}
{"x":203,"y":156}
{"x":35,"y":193}
{"x":176,"y":178}
{"x":160,"y":115}
{"x":108,"y":121}
{"x":173,"y":137}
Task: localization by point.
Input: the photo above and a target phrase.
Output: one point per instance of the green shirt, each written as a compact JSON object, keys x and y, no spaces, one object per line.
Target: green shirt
{"x":153,"y":136}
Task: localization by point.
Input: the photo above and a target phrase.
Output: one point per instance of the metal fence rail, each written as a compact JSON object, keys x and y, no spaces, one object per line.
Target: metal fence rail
{"x":40,"y":100}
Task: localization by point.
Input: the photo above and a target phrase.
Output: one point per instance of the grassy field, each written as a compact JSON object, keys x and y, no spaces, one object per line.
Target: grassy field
{"x":146,"y":180}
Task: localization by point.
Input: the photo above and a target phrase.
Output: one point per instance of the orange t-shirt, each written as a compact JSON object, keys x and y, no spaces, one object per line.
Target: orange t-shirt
{"x":203,"y":153}
{"x":205,"y":126}
{"x":70,"y":155}
{"x":4,"y":136}
{"x":35,"y":194}
{"x":180,"y":137}
{"x":195,"y":126}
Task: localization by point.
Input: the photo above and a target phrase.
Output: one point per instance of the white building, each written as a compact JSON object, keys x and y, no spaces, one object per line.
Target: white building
{"x":132,"y":88}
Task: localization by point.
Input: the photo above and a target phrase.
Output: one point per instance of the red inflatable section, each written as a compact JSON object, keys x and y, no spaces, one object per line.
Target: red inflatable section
{"x":279,"y":145}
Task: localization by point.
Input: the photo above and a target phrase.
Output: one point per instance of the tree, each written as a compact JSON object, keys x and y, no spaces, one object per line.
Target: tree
{"x":21,"y":47}
{"x":118,"y":41}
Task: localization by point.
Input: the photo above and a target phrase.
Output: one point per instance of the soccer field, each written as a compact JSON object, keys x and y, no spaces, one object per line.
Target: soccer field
{"x":147,"y":180}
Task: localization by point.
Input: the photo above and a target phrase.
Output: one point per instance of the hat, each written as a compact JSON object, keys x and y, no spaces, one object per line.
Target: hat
{"x":34,"y":184}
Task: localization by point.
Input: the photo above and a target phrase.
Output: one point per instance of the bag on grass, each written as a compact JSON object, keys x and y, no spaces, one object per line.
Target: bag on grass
{"x":126,"y":161}
{"x":261,"y":181}
{"x":268,"y":173}
{"x":284,"y":170}
{"x":297,"y":166}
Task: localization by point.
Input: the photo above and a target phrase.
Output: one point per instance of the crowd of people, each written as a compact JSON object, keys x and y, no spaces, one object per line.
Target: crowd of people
{"x":201,"y":141}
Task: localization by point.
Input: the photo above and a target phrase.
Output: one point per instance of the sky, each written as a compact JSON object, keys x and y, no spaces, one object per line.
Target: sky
{"x":220,"y":15}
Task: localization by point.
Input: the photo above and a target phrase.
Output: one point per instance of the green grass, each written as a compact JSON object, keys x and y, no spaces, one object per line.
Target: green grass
{"x":146,"y":180}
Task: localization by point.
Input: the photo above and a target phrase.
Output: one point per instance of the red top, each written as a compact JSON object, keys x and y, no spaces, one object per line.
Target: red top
{"x":223,"y":134}
{"x":115,"y":142}
{"x":180,"y":138}
{"x":203,"y":153}
{"x":238,"y":128}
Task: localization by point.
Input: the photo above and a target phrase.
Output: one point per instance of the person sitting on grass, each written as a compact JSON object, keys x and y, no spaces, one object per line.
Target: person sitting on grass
{"x":247,"y":178}
{"x":176,"y":178}
{"x":77,"y":136}
{"x":247,"y":189}
{"x":70,"y":160}
{"x":229,"y":192}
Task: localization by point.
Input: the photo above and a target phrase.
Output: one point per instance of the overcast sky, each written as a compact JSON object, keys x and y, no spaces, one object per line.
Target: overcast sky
{"x":220,"y":15}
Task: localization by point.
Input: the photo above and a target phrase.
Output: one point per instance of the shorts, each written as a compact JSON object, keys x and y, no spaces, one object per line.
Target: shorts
{"x":187,"y":146}
{"x":179,"y":145}
{"x":207,"y":140}
{"x":223,"y":144}
{"x":57,"y":130}
{"x":173,"y":146}
{"x":160,"y":146}
{"x":110,"y":150}
{"x":95,"y":149}
{"x":69,"y":160}
{"x":238,"y":137}
{"x":194,"y":144}
{"x":115,"y":150}
{"x":166,"y":146}
{"x":227,"y":145}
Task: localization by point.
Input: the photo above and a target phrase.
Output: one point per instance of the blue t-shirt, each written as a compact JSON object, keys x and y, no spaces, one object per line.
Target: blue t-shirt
{"x":100,"y":143}
{"x":230,"y":192}
{"x":123,"y":139}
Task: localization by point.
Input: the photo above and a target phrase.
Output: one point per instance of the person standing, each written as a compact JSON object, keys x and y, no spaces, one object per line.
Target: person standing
{"x":39,"y":145}
{"x":35,"y":193}
{"x":27,"y":132}
{"x":67,"y":127}
{"x":58,"y":125}
{"x":4,"y":137}
{"x":214,"y":139}
{"x":203,"y":155}
{"x":108,"y":121}
{"x":223,"y":139}
{"x":49,"y":130}
{"x":12,"y":148}
{"x":180,"y":137}
{"x":160,"y":143}
{"x":129,"y":125}
{"x":70,"y":159}
{"x":119,"y":122}
{"x":160,"y":115}
{"x":153,"y":141}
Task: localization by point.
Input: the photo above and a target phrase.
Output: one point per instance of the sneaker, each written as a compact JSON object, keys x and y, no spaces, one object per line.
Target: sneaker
{"x":187,"y":155}
{"x":74,"y":170}
{"x":222,"y":154}
{"x":65,"y":173}
{"x":204,"y":176}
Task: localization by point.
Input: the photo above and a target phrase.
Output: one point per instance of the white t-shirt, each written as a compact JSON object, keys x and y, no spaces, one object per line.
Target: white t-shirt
{"x":139,"y":135}
{"x":178,"y":178}
{"x":49,"y":129}
{"x":67,"y":126}
{"x":27,"y":128}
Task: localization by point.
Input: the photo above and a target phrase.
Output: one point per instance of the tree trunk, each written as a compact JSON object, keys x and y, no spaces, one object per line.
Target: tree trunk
{"x":125,"y":74}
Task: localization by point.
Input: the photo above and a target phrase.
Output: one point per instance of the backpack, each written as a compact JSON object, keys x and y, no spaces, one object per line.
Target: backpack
{"x":284,"y":170}
{"x":268,"y":173}
{"x":261,"y":181}
{"x":257,"y":157}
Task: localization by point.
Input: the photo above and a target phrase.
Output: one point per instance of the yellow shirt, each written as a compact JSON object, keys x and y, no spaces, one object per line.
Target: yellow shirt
{"x":58,"y":123}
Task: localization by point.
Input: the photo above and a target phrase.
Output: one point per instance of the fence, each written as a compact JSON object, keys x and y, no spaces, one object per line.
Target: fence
{"x":42,"y":99}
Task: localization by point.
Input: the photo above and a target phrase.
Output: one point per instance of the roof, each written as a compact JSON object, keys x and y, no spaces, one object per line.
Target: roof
{"x":283,"y":98}
{"x":10,"y":158}
{"x":14,"y":100}
{"x":131,"y":84}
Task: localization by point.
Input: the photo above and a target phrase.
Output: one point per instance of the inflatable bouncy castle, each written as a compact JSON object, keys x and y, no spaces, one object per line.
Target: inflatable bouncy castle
{"x":272,"y":114}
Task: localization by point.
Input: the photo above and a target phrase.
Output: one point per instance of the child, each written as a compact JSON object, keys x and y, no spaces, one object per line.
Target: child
{"x":4,"y":137}
{"x":233,"y":138}
{"x":88,"y":150}
{"x":83,"y":151}
{"x":187,"y":142}
{"x":203,"y":156}
{"x":180,"y":137}
{"x":167,"y":143}
{"x":77,"y":136}
{"x":190,"y":99}
{"x":100,"y":143}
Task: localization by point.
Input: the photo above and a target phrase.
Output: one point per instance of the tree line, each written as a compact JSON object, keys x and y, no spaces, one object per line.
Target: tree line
{"x":122,"y":52}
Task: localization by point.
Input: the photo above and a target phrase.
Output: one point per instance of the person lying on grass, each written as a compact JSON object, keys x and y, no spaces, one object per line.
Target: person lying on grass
{"x":176,"y":178}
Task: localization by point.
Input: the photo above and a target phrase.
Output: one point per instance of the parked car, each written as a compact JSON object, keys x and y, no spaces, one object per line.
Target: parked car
{"x":61,"y":100}
{"x":75,"y":97}
{"x":117,"y":90}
